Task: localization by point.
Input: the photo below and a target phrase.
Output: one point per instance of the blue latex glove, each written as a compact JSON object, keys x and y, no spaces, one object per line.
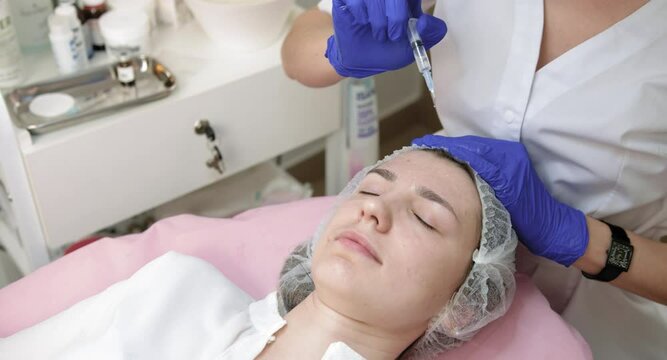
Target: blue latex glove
{"x":370,"y":35}
{"x":546,"y":226}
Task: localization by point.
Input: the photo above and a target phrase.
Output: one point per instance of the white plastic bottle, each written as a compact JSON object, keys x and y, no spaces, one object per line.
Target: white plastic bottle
{"x":67,"y":45}
{"x":30,"y":19}
{"x":11,"y":71}
{"x":87,"y":34}
{"x":362,"y":124}
{"x":70,"y":11}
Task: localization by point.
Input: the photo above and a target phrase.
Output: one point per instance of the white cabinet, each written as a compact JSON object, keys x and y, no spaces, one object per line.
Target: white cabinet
{"x":69,"y":183}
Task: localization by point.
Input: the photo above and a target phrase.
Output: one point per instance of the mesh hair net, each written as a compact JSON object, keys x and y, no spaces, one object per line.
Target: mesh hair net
{"x":485,"y":294}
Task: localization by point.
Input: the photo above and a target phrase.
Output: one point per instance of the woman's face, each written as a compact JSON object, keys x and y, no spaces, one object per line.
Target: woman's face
{"x":395,"y":252}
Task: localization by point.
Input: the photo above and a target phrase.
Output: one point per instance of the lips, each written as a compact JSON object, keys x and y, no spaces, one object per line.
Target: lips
{"x":359,"y":243}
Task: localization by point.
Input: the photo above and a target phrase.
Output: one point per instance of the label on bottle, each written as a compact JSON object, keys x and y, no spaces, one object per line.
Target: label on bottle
{"x":10,"y":53}
{"x":95,"y":32}
{"x":125,"y":74}
{"x":363,"y":137}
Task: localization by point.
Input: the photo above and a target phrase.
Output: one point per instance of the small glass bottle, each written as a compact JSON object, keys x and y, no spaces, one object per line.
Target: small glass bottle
{"x":92,"y":10}
{"x":125,"y":71}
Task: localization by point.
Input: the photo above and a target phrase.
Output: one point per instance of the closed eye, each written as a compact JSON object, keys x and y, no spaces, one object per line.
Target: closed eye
{"x":428,"y":226}
{"x":368,"y":193}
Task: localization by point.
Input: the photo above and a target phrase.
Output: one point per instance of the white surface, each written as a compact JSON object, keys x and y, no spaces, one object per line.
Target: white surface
{"x":51,"y":105}
{"x":593,"y":121}
{"x":242,"y":26}
{"x":26,"y":245}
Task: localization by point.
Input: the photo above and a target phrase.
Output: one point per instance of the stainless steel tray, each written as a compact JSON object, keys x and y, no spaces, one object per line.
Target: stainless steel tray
{"x":96,"y":92}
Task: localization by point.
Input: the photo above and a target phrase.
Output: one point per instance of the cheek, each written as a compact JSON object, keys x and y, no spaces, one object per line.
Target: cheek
{"x":429,"y":274}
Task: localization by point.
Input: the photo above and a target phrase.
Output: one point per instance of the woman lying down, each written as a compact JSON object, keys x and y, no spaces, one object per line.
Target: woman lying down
{"x":415,"y":259}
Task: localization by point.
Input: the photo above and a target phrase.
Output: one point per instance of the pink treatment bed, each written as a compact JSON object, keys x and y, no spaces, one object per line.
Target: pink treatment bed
{"x":249,"y":249}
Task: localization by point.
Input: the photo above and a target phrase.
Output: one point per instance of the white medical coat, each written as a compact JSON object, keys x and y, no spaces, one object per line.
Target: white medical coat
{"x":594,"y":121}
{"x":175,"y":307}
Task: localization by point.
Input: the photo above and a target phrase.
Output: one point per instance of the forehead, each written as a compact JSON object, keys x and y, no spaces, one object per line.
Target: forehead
{"x":442,"y":175}
{"x":417,"y":163}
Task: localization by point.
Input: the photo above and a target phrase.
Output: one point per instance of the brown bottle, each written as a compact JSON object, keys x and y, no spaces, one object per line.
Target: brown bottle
{"x":92,"y":10}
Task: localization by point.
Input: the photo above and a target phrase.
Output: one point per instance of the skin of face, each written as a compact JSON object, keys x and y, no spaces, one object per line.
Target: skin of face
{"x":392,"y":256}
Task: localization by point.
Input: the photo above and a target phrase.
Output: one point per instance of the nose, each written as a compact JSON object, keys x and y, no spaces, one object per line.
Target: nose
{"x":374,"y":210}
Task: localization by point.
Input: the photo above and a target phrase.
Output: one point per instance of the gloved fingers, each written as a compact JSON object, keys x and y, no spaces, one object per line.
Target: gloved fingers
{"x":415,"y":8}
{"x":486,"y":169}
{"x":493,"y":150}
{"x":341,"y":12}
{"x":431,"y":29}
{"x":398,"y":14}
{"x":461,"y":150}
{"x":358,"y":10}
{"x":377,"y":16}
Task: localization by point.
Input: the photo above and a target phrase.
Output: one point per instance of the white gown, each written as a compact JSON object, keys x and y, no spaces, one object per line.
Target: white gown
{"x":175,"y":307}
{"x":594,"y":121}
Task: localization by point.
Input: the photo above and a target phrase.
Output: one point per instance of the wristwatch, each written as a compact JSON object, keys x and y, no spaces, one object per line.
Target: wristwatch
{"x":619,"y":256}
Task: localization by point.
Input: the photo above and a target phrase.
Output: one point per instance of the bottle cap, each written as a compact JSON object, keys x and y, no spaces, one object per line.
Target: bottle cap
{"x":66,"y":10}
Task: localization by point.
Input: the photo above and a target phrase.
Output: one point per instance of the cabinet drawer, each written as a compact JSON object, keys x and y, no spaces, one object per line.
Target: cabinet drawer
{"x":149,"y":155}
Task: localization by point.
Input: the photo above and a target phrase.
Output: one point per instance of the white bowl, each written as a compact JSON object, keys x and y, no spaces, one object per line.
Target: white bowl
{"x":242,"y":25}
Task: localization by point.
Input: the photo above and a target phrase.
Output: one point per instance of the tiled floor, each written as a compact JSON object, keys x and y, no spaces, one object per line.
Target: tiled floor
{"x":396,"y":131}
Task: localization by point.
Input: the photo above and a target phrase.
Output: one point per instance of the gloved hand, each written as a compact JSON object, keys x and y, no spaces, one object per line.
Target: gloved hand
{"x":370,"y":35}
{"x":546,"y":226}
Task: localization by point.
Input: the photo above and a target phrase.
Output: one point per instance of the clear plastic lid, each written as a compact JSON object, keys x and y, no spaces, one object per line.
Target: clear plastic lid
{"x":124,"y":24}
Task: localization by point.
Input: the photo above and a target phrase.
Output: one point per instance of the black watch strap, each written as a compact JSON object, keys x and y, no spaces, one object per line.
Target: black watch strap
{"x":619,"y":256}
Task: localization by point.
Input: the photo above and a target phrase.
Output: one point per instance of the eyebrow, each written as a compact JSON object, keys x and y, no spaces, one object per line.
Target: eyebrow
{"x":422,"y":191}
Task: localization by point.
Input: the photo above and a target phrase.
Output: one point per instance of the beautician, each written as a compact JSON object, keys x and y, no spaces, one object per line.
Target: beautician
{"x":564,"y":104}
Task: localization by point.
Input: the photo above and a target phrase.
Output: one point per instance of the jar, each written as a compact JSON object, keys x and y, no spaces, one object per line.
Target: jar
{"x":126,"y":33}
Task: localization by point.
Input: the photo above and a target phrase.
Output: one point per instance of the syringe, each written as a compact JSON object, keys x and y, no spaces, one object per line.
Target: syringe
{"x":421,"y":58}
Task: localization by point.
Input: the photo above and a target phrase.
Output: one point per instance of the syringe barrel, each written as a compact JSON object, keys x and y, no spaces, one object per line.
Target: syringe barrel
{"x":418,"y":50}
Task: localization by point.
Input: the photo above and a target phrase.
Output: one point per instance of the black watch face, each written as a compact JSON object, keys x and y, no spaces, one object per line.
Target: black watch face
{"x":620,"y":255}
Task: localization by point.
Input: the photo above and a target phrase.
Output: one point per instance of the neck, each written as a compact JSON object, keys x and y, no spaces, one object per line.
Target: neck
{"x":322,"y":325}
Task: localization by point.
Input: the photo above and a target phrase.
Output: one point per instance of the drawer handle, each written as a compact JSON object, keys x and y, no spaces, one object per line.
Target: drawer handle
{"x":203,"y":127}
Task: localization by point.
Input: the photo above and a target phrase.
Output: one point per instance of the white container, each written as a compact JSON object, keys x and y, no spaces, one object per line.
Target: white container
{"x":30,"y":18}
{"x":70,"y":11}
{"x":146,"y":6}
{"x":126,"y":33}
{"x":242,"y":25}
{"x":363,"y":139}
{"x":11,"y":71}
{"x":67,"y":46}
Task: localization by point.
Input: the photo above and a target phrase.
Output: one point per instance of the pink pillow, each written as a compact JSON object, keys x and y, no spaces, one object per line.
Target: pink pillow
{"x":249,"y":249}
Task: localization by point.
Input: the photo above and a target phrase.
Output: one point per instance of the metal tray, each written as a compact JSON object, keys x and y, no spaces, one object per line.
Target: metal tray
{"x":96,"y":92}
